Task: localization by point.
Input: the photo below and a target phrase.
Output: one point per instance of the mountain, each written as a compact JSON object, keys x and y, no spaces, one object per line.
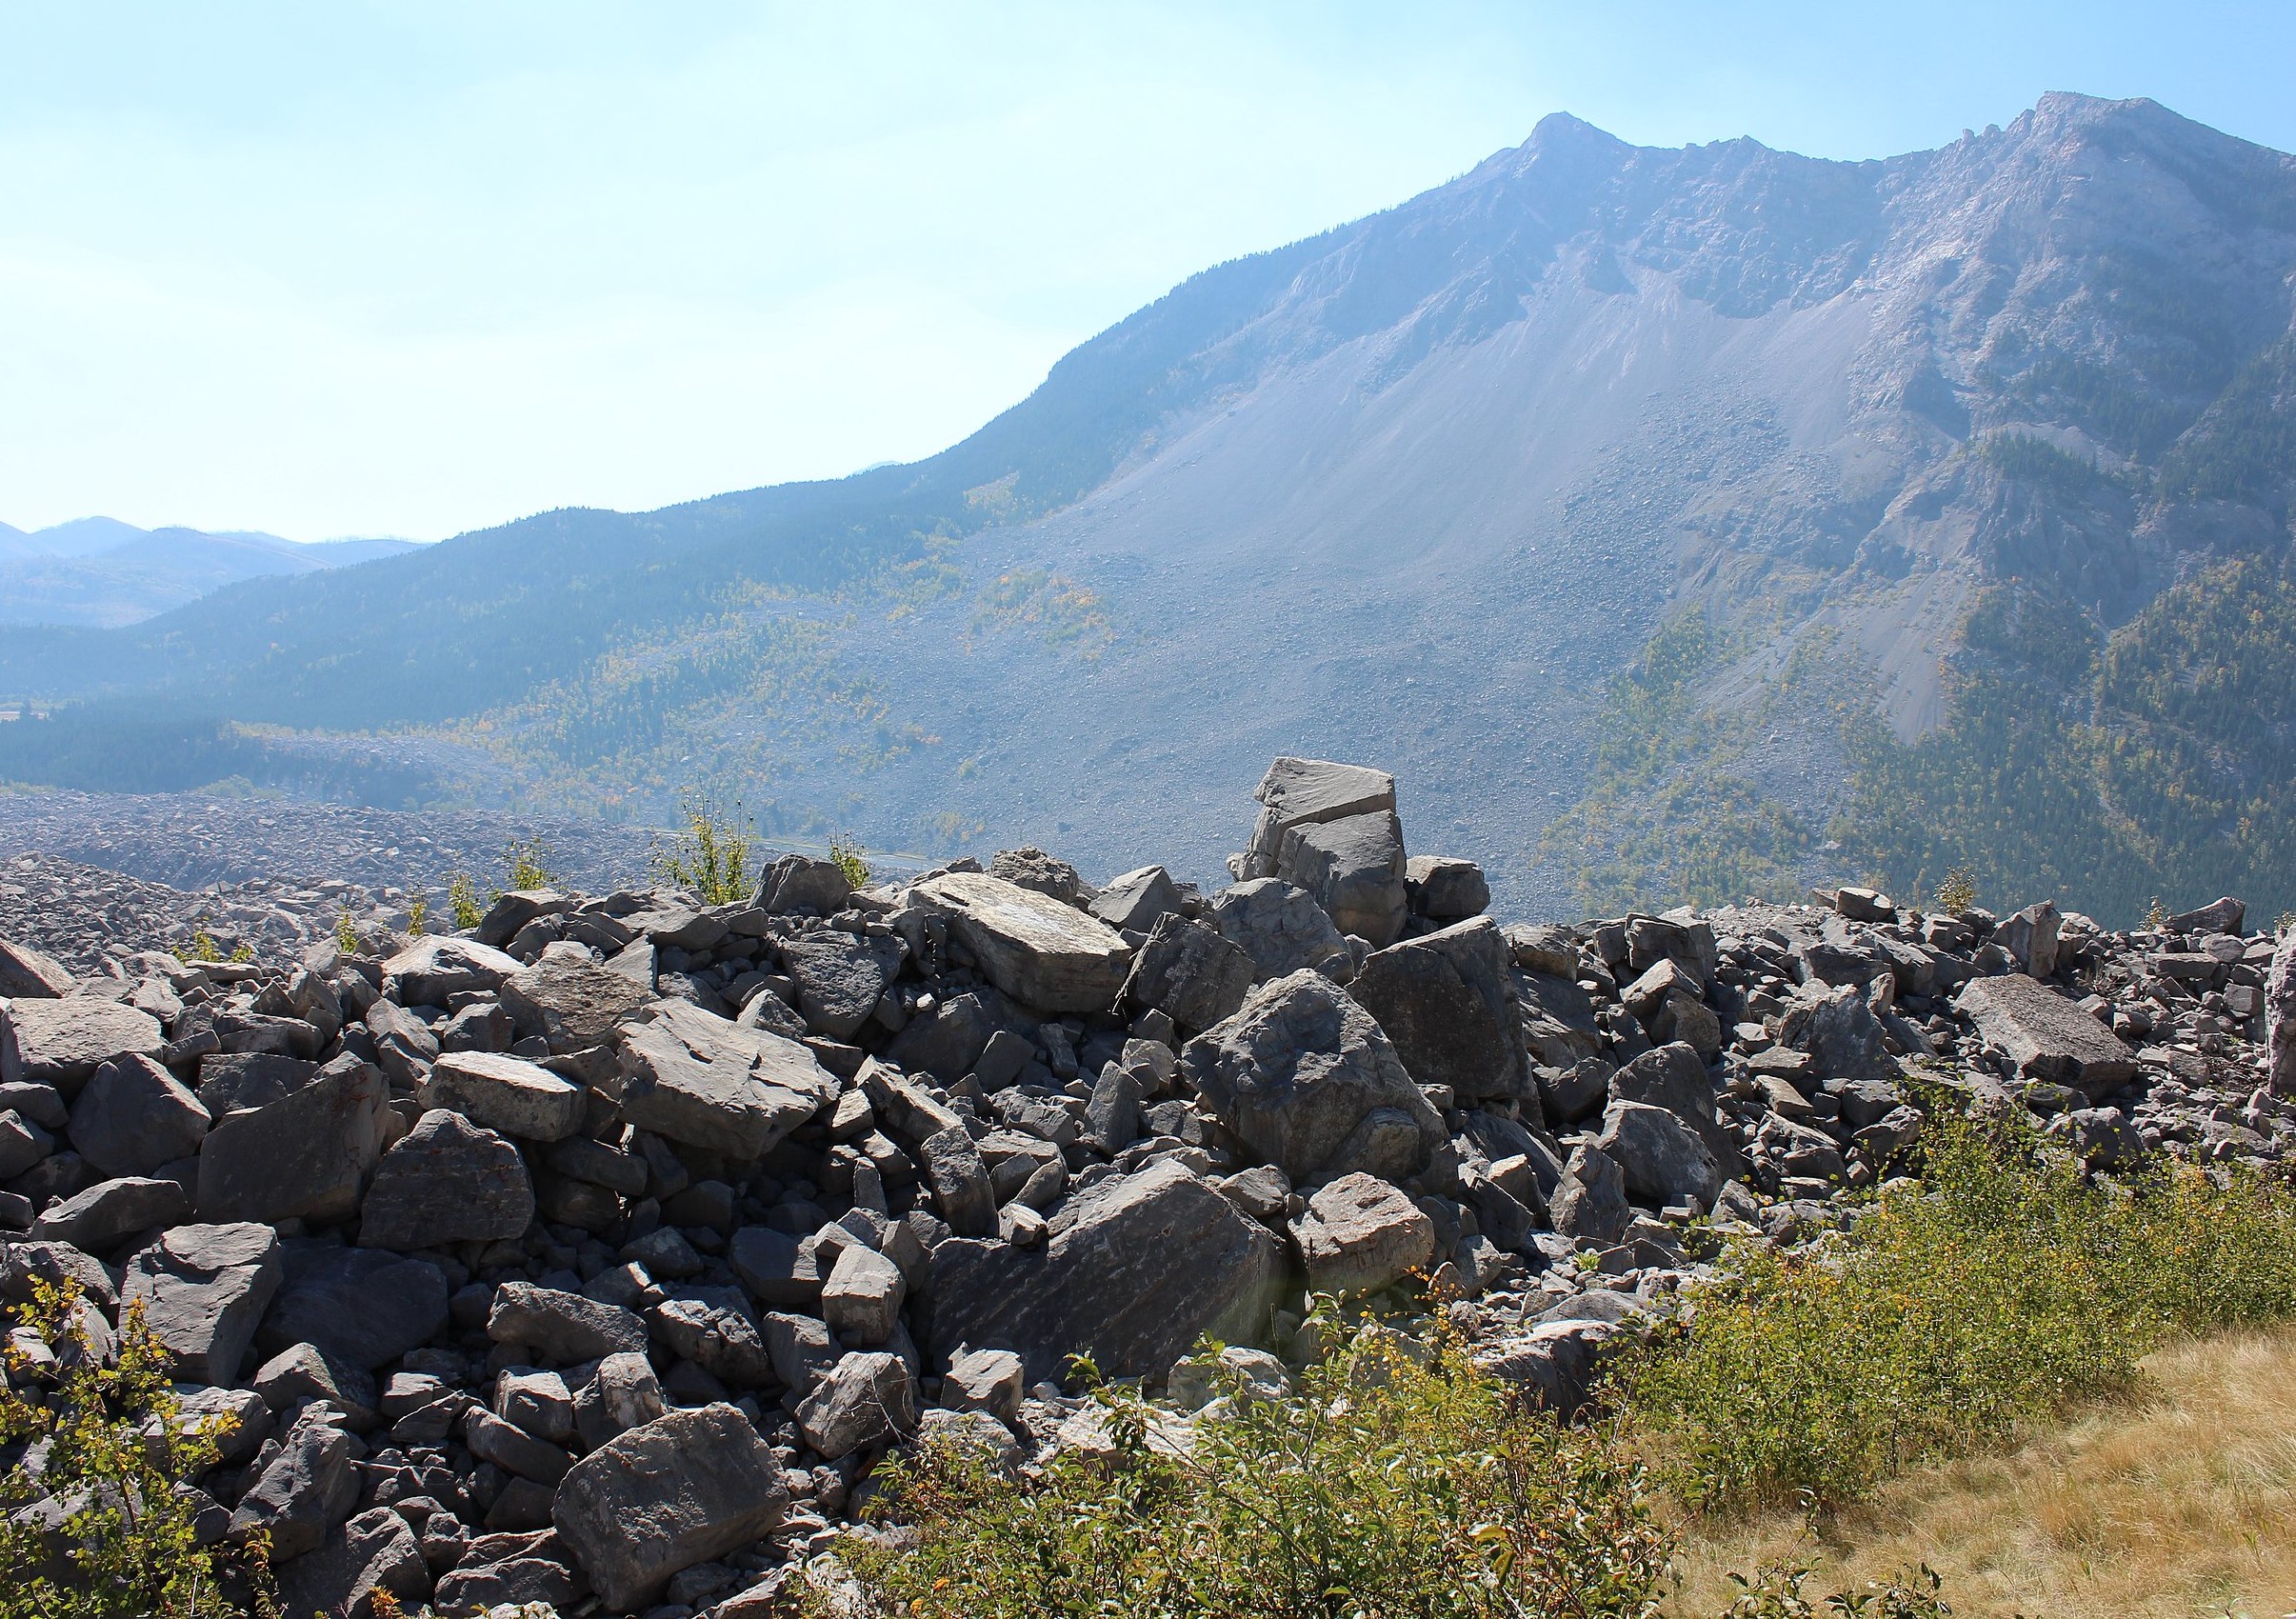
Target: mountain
{"x":1681,"y":523}
{"x":100,"y":572}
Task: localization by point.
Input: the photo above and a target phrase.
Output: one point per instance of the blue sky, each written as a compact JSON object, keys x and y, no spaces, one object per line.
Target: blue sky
{"x":415,"y":269}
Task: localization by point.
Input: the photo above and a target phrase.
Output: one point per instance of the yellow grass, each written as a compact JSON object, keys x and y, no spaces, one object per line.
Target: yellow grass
{"x":2179,"y":1501}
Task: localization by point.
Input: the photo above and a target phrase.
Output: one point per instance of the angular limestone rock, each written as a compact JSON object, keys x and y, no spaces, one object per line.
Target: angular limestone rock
{"x":1040,"y":951}
{"x":506,"y":1093}
{"x":1354,"y":869}
{"x":203,"y":1289}
{"x":448,"y":1181}
{"x":696,"y":1078}
{"x":306,"y":1156}
{"x":61,"y":1042}
{"x":1447,"y":1002}
{"x":2046,"y":1035}
{"x":1359,"y":1233}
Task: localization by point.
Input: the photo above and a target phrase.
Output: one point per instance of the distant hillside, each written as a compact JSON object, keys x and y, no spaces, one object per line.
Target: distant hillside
{"x":104,"y":573}
{"x":1678,"y":523}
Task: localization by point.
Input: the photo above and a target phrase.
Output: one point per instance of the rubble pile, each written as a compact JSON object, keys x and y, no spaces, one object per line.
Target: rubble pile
{"x":594,"y":1256}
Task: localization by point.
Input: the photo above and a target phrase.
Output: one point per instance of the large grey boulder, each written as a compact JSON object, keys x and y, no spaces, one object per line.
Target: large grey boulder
{"x":1042,"y":952}
{"x":570,"y":1004}
{"x":231,"y":1082}
{"x":1133,"y":902}
{"x":1559,"y":1026}
{"x":1556,"y":1362}
{"x":434,"y":969}
{"x":840,"y":978}
{"x":713,"y":1328}
{"x":307,"y":1488}
{"x":132,"y":1116}
{"x":1674,"y":1076}
{"x":699,"y":1079}
{"x":506,"y":1093}
{"x":377,"y":1551}
{"x":1190,"y":972}
{"x":2030,"y":938}
{"x":962,"y":1187}
{"x":2279,"y":1015}
{"x":1354,"y":869}
{"x":1446,"y":889}
{"x":1661,"y":1158}
{"x":685,"y":1488}
{"x":99,"y":1218}
{"x":306,"y":1156}
{"x":1838,"y":1029}
{"x":204,"y":1288}
{"x":61,"y":1042}
{"x":801,"y":882}
{"x":448,"y":1181}
{"x":1446,"y":1000}
{"x":361,"y":1306}
{"x":1589,"y":1202}
{"x":1359,"y":1233}
{"x":29,"y":975}
{"x":1305,"y":1077}
{"x":1298,"y":792}
{"x":564,"y":1326}
{"x":866,"y":1398}
{"x":1135,"y":1269}
{"x":1281,"y":928}
{"x":2046,"y":1035}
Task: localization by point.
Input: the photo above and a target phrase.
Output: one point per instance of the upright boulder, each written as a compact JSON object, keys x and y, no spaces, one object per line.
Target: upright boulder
{"x":840,"y":978}
{"x":1354,"y":868}
{"x":1661,"y":1157}
{"x":1447,"y":1002}
{"x":448,"y":1181}
{"x":1298,"y":792}
{"x":29,"y":974}
{"x":1136,"y":1270}
{"x":696,"y":1078}
{"x":801,"y":882}
{"x":132,"y":1115}
{"x":1308,"y":1080}
{"x":1281,"y":928}
{"x":306,"y":1156}
{"x":2280,"y":1014}
{"x":2030,"y":938}
{"x":1040,"y":951}
{"x":1190,"y":972}
{"x":685,"y":1488}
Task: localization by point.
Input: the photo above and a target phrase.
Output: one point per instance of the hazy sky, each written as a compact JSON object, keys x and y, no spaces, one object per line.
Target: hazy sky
{"x":415,"y":269}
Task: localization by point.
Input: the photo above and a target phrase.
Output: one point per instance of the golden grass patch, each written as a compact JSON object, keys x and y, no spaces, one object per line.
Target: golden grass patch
{"x":2176,"y":1502}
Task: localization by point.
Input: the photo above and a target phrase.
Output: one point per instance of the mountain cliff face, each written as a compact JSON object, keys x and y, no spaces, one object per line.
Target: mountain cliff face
{"x":1678,"y":522}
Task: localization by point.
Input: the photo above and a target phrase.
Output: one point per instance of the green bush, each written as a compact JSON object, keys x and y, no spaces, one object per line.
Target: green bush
{"x":116,"y":1443}
{"x":1385,"y":1489}
{"x":1953,"y":1313}
{"x":526,"y":865}
{"x":847,"y":851}
{"x":710,"y":852}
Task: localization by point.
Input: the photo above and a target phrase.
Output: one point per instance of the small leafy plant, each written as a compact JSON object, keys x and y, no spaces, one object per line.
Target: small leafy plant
{"x":1958,"y":892}
{"x":418,"y":914}
{"x":347,"y":932}
{"x":462,"y":901}
{"x":710,"y":852}
{"x":846,"y":851}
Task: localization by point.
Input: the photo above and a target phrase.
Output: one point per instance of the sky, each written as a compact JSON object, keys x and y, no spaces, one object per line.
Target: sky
{"x":415,"y":269}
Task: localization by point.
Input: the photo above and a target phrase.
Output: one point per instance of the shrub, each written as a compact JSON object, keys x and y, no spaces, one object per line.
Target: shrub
{"x":117,"y":1443}
{"x":847,"y":851}
{"x":1998,"y":1289}
{"x":347,"y":932}
{"x":462,"y":901}
{"x":418,"y":915}
{"x":1958,"y":892}
{"x":526,"y":865}
{"x":710,"y":854}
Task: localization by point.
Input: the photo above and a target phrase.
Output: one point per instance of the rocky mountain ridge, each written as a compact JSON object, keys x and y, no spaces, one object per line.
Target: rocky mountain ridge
{"x":1702,"y":522}
{"x":594,"y":1256}
{"x":102,"y":572}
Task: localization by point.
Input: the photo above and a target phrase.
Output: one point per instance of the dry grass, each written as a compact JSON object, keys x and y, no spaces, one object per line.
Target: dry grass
{"x":2180,"y":1501}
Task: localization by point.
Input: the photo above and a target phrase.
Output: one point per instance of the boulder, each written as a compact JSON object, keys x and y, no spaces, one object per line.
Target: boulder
{"x":434,"y":969}
{"x":1353,"y":869}
{"x":375,"y":1551}
{"x":1281,"y":928}
{"x":861,"y":1300}
{"x":1446,"y":1000}
{"x":448,"y":1181}
{"x":1032,"y":868}
{"x":28,"y":974}
{"x":307,"y":1488}
{"x":685,"y":1488}
{"x":510,"y":913}
{"x":1661,"y":1158}
{"x":1134,"y":1270}
{"x":1838,"y":1029}
{"x":698,"y":1079}
{"x":1674,"y":1077}
{"x":1190,"y":972}
{"x":801,"y":882}
{"x":571,"y":1005}
{"x":506,"y":1093}
{"x":840,"y":978}
{"x":231,"y":1082}
{"x":203,"y":1289}
{"x":98,"y":1219}
{"x":132,"y":1116}
{"x":1358,"y":1234}
{"x":946,"y":1041}
{"x":622,"y":1394}
{"x":1040,"y":951}
{"x":1305,"y":1077}
{"x":2046,"y":1035}
{"x":363,"y":1307}
{"x":866,"y":1398}
{"x":1557,"y":1362}
{"x":2279,"y":1015}
{"x":2226,"y":916}
{"x":1444,"y":889}
{"x":1132,"y":904}
{"x":713,"y":1328}
{"x":985,"y":1380}
{"x":61,"y":1042}
{"x":306,"y":1156}
{"x":2030,"y":938}
{"x":566,"y":1327}
{"x":1297,"y":792}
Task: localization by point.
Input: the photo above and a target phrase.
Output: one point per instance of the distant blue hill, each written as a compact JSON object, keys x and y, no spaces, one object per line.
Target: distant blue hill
{"x":100,"y":573}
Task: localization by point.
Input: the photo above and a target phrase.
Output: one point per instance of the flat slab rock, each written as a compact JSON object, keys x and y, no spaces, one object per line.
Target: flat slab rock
{"x":2046,"y":1035}
{"x":1040,"y":951}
